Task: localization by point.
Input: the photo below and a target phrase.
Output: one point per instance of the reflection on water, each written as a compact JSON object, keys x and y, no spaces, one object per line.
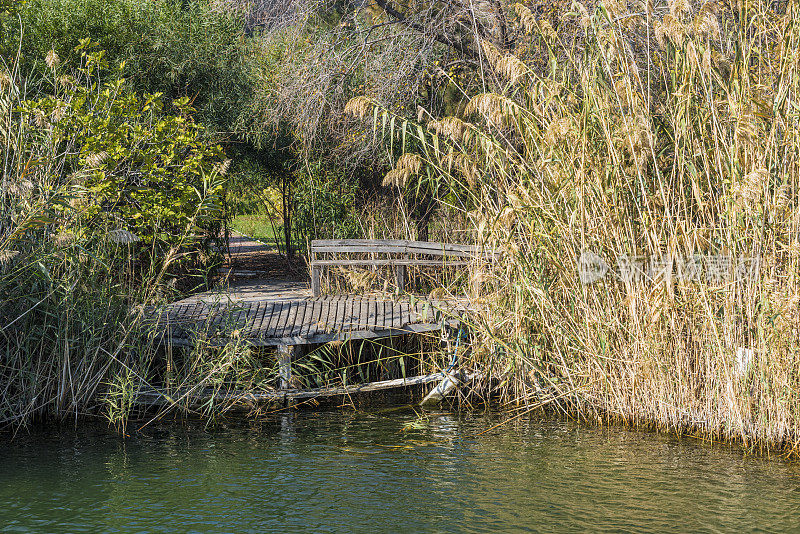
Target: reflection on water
{"x":340,"y":472}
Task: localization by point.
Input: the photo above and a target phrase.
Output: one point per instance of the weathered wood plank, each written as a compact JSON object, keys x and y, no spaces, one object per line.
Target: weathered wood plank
{"x":291,"y":317}
{"x":280,"y":320}
{"x":330,"y":315}
{"x":389,"y":311}
{"x":363,"y":313}
{"x":264,"y":310}
{"x":311,"y":318}
{"x":339,"y":317}
{"x":347,"y":242}
{"x":358,"y":249}
{"x":386,"y":261}
{"x":272,"y":324}
{"x":251,"y":319}
{"x":322,"y":316}
{"x":319,"y":317}
{"x":161,"y":398}
{"x":299,"y":319}
{"x":373,"y":314}
{"x":398,"y":314}
{"x":318,"y":244}
{"x":405,"y":316}
{"x":347,"y":319}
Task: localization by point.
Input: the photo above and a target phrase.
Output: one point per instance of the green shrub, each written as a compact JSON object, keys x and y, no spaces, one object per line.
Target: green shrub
{"x":325,"y":204}
{"x":126,"y":161}
{"x":104,"y":193}
{"x":180,"y":49}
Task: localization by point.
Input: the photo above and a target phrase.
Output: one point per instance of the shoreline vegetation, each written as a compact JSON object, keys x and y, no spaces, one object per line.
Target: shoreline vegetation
{"x":635,"y":164}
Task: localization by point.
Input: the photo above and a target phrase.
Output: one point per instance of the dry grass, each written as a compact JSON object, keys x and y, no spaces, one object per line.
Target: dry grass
{"x":656,"y":131}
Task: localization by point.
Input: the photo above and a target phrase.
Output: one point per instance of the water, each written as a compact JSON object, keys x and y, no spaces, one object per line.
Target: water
{"x":344,"y":472}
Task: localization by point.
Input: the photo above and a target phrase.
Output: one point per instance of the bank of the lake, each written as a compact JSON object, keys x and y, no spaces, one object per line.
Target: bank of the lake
{"x":392,"y":472}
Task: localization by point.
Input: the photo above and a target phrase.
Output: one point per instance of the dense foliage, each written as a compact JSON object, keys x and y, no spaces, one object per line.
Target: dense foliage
{"x":129,"y":164}
{"x":179,"y":49}
{"x":109,"y":197}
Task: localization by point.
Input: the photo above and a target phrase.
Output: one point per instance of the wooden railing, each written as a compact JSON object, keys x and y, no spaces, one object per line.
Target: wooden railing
{"x":397,"y":254}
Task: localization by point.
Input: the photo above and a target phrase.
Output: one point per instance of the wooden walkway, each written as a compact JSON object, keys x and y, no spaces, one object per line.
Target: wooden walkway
{"x":279,"y":310}
{"x":301,"y":321}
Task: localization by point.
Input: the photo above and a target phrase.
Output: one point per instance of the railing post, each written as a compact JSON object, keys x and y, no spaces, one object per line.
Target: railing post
{"x":400,"y":277}
{"x":315,"y":280}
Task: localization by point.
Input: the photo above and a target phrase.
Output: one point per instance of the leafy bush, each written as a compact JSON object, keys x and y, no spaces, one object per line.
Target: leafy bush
{"x":103,"y":194}
{"x":325,"y":204}
{"x":126,"y":162}
{"x":180,"y":49}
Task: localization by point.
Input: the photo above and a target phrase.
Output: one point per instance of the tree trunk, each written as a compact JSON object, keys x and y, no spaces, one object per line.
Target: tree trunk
{"x":287,"y":214}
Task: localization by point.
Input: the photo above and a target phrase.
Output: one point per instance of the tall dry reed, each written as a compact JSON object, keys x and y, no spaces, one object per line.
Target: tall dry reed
{"x":662,"y":137}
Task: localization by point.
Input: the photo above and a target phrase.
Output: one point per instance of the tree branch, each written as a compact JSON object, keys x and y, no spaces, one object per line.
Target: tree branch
{"x":441,"y":38}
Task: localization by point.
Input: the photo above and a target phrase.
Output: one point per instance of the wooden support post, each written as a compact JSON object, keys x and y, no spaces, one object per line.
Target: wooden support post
{"x":316,"y":274}
{"x":400,"y":277}
{"x":285,"y":353}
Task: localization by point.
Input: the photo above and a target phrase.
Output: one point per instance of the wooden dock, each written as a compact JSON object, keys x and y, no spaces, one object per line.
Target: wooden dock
{"x":299,"y":322}
{"x":288,"y":315}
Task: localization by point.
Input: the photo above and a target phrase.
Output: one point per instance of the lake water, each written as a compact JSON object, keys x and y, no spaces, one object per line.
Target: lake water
{"x":391,"y":472}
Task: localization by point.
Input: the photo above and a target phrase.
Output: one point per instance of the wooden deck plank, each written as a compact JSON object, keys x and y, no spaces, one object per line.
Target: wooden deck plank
{"x":391,"y":318}
{"x":338,"y":317}
{"x":252,"y":317}
{"x":273,"y":309}
{"x":291,"y":316}
{"x":397,"y":315}
{"x":298,"y":309}
{"x":303,"y":315}
{"x":275,"y":323}
{"x":363,"y":313}
{"x":330,"y":323}
{"x":346,"y":305}
{"x":349,"y":317}
{"x":264,"y":317}
{"x":369,"y":322}
{"x":267,"y":323}
{"x":326,"y":316}
{"x":311,"y":319}
{"x":317,"y":328}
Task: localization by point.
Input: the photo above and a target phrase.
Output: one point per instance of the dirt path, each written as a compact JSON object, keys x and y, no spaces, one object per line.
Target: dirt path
{"x":251,"y":258}
{"x":253,"y":272}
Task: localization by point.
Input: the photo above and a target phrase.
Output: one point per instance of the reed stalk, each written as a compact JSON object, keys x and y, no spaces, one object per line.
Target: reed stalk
{"x":665,"y":132}
{"x":74,"y":280}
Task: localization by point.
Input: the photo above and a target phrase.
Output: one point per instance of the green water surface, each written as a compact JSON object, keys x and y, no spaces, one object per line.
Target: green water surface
{"x":346,"y":472}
